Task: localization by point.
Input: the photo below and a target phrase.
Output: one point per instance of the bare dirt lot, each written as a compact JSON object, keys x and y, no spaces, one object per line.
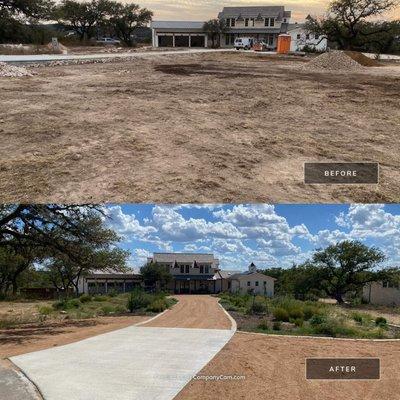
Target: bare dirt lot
{"x":218,"y":127}
{"x":202,"y":312}
{"x":274,"y":367}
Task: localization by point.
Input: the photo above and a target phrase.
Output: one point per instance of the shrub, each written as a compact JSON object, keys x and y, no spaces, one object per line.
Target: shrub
{"x":113,"y":293}
{"x":310,"y":311}
{"x":137,"y":300}
{"x":45,"y":310}
{"x":296,"y":313}
{"x":66,"y":304}
{"x":280,"y":314}
{"x":158,"y":305}
{"x":263,"y":325}
{"x":277,"y":326}
{"x":358,"y":317}
{"x":297,"y":321}
{"x":317,"y":320}
{"x":107,"y":309}
{"x":73,"y":303}
{"x":258,"y":307}
{"x":381,"y":322}
{"x":85,"y":298}
{"x":60,"y":304}
{"x":100,"y":298}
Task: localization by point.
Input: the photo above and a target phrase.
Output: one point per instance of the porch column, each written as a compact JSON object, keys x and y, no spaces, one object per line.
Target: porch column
{"x":173,"y":40}
{"x":205,"y":40}
{"x":190,"y":45}
{"x":124,"y":286}
{"x":106,"y":286}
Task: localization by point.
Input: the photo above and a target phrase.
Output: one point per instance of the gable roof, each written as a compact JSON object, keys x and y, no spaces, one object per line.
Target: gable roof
{"x":255,"y":12}
{"x":248,"y":273}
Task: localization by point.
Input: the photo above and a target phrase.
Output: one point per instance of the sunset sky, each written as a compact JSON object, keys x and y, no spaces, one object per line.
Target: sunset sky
{"x":201,"y":10}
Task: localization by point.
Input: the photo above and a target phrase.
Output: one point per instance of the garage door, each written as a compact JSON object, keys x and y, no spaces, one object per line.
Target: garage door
{"x":182,"y":41}
{"x":165,"y":41}
{"x":198,"y":41}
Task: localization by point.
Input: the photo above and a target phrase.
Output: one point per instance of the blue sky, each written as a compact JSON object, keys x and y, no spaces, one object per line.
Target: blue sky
{"x":269,"y":235}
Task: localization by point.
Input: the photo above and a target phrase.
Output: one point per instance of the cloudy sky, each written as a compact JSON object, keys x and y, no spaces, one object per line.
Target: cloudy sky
{"x":206,"y":9}
{"x":268,"y":235}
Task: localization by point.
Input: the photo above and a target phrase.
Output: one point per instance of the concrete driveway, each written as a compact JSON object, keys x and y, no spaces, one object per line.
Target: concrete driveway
{"x":70,"y":57}
{"x":138,"y":362}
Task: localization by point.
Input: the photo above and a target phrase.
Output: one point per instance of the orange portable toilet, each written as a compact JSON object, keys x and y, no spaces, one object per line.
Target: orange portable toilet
{"x":284,"y":44}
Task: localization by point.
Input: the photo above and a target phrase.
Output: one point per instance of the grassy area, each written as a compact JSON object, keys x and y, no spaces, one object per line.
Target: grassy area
{"x":82,"y":307}
{"x":285,"y":315}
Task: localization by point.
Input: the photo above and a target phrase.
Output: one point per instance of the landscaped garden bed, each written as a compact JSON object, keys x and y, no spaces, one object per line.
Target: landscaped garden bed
{"x":285,"y":315}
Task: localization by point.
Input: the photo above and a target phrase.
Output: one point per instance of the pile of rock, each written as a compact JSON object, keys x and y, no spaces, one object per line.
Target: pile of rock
{"x":11,"y":71}
{"x":332,"y":61}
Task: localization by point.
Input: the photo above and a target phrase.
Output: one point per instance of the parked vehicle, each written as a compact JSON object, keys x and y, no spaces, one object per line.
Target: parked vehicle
{"x":108,"y":40}
{"x":243,"y":43}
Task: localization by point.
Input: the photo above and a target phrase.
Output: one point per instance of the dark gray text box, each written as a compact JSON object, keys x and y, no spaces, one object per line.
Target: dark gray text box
{"x":341,"y":173}
{"x":342,"y":368}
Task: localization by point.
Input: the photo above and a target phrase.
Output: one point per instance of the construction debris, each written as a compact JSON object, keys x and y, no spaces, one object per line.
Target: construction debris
{"x":332,"y":61}
{"x":11,"y":71}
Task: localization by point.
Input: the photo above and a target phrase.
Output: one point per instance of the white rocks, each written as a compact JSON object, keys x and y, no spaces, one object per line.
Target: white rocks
{"x":332,"y":61}
{"x":11,"y":71}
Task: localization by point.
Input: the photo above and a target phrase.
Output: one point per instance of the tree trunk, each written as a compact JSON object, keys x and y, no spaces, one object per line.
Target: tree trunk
{"x":339,"y":298}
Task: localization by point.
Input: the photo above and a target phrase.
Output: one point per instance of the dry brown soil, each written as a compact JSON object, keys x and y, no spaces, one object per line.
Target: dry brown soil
{"x":34,"y":337}
{"x":274,"y":368}
{"x":216,"y":127}
{"x":193,"y":311}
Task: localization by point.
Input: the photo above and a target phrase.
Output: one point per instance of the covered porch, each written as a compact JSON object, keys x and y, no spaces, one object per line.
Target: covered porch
{"x":194,"y":284}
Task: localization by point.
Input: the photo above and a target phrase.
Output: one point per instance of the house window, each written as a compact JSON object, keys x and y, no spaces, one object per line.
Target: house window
{"x":207,"y":269}
{"x":248,"y":283}
{"x":201,"y":269}
{"x":284,"y":20}
{"x":308,"y":36}
{"x":298,"y":36}
{"x":252,"y":20}
{"x":272,"y":22}
{"x":186,"y":269}
{"x":256,"y":283}
{"x":246,"y":22}
{"x":317,"y":36}
{"x":182,"y":269}
{"x":230,"y":22}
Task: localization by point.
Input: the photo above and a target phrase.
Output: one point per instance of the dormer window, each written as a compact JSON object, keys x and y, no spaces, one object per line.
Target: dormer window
{"x":269,"y":22}
{"x":231,"y":22}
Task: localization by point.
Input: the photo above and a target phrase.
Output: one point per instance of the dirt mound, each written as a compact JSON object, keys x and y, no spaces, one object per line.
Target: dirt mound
{"x":362,"y":59}
{"x":332,"y":61}
{"x":12,"y":71}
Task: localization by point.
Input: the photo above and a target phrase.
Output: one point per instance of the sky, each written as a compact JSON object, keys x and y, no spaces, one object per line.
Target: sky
{"x":238,"y":234}
{"x":202,"y":10}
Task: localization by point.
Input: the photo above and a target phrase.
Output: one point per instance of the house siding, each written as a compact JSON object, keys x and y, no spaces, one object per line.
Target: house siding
{"x":375,"y":293}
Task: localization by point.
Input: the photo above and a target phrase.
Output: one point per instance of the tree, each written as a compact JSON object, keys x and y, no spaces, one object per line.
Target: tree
{"x":126,"y":18}
{"x":155,"y":275}
{"x":70,"y":240}
{"x":346,"y":267}
{"x":215,"y":28}
{"x":15,"y":14}
{"x":346,"y":22}
{"x":84,"y":17}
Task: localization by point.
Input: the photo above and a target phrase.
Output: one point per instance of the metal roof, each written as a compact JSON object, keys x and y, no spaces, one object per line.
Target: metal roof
{"x":177,"y":24}
{"x":184,"y":257}
{"x":254,"y":12}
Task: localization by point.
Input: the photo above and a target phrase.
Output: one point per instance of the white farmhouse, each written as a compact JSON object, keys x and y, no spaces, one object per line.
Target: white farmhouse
{"x":253,"y":282}
{"x":301,"y":38}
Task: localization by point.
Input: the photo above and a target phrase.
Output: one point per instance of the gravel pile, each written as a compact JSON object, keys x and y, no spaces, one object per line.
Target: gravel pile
{"x":12,"y":71}
{"x":332,"y":61}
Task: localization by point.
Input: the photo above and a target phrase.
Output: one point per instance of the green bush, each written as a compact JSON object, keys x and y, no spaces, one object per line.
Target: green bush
{"x":45,"y":310}
{"x":73,"y":303}
{"x":138,"y":300}
{"x":309,"y":311}
{"x":258,"y":307}
{"x":100,"y":298}
{"x":277,"y":326}
{"x":112,"y":293}
{"x":297,"y":321}
{"x":158,"y":305}
{"x":358,"y":317}
{"x":296,"y":313}
{"x":66,"y":304}
{"x":107,"y":309}
{"x":381,"y":322}
{"x":263,"y":325}
{"x":280,"y":314}
{"x":85,"y":298}
{"x":317,"y":320}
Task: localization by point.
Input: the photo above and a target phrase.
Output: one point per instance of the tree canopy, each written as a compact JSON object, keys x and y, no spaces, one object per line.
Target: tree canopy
{"x":214,"y":28}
